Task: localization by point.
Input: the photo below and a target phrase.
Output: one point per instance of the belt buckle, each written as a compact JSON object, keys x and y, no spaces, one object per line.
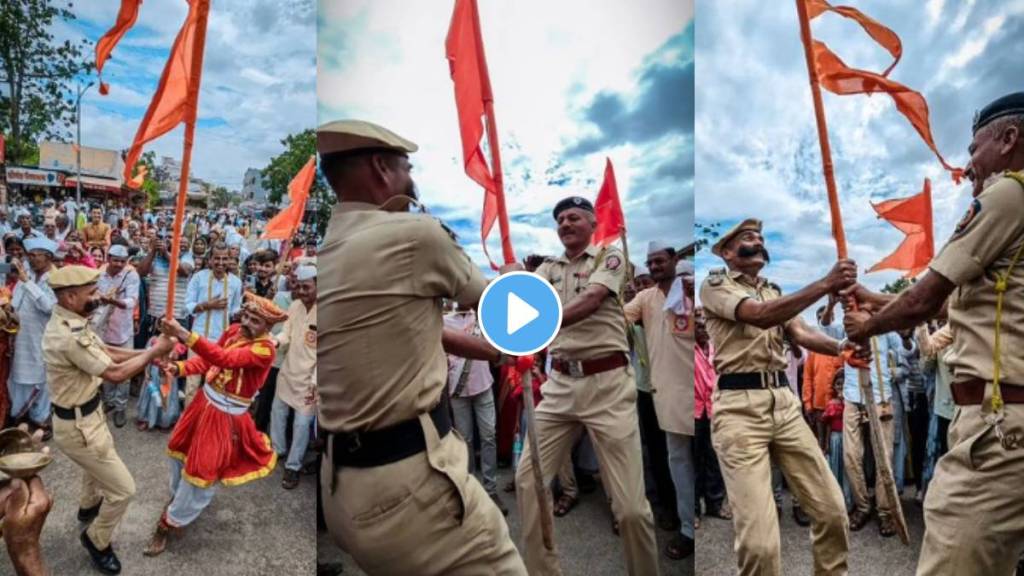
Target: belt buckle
{"x":766,"y":380}
{"x":575,"y":368}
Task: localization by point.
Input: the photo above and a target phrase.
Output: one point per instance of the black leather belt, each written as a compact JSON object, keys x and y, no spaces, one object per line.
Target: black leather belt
{"x":388,"y":445}
{"x":86,"y":409}
{"x":581,"y":368}
{"x":752,"y":380}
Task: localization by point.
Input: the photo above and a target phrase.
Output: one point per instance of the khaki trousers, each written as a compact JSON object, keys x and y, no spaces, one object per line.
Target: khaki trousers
{"x":605,"y":405}
{"x":424,"y":515}
{"x":87,"y":442}
{"x":855,"y":426}
{"x":749,"y":429}
{"x":974,"y":510}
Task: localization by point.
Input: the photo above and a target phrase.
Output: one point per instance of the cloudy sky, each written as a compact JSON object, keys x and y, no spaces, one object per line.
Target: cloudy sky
{"x":758,"y":152}
{"x":572,"y":84}
{"x":258,"y":80}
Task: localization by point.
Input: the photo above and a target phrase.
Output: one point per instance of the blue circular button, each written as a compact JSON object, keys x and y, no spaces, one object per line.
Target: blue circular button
{"x":520,"y":313}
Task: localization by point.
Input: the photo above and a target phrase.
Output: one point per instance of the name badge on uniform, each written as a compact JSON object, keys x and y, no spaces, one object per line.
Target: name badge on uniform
{"x":311,"y":336}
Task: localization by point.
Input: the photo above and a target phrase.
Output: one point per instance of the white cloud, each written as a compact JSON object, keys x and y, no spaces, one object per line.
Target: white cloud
{"x":385,"y":62}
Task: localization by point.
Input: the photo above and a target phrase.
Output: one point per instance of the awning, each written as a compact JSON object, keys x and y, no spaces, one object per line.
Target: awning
{"x":94,"y":183}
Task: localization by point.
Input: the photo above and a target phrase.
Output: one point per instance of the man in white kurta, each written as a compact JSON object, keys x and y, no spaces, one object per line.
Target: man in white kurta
{"x":296,"y":379}
{"x":213,"y":296}
{"x":33,"y":302}
{"x":119,"y":292}
{"x":670,"y":341}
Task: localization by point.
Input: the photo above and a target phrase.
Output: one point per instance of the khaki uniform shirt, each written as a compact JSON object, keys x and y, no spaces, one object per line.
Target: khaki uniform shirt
{"x":603,"y":332}
{"x":982,"y":246}
{"x":670,"y":343}
{"x":740,"y":347}
{"x":297,"y":376}
{"x":380,"y":282}
{"x":75,"y":358}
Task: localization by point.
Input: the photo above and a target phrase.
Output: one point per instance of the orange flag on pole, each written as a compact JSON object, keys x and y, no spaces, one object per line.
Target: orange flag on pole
{"x":608,"y":210}
{"x":136,"y":182}
{"x":838,"y":78}
{"x":913,"y":217}
{"x":177,"y":96}
{"x":126,"y":17}
{"x":286,"y":223}
{"x":464,"y":48}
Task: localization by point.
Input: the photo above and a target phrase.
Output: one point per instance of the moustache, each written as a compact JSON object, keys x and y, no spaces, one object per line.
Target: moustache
{"x":91,"y":306}
{"x":748,"y":251}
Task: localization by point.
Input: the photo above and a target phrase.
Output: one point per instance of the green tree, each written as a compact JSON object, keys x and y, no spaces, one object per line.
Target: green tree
{"x":707,"y":233}
{"x":283,"y":167}
{"x":36,"y":70}
{"x":217,"y":197}
{"x":898,"y":286}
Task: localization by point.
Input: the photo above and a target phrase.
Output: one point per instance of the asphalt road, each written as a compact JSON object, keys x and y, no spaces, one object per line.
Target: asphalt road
{"x":254,"y":529}
{"x":870,"y":554}
{"x":584,"y":538}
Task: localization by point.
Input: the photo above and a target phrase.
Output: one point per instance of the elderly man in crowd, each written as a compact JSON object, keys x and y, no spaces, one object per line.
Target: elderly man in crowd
{"x":119,"y":291}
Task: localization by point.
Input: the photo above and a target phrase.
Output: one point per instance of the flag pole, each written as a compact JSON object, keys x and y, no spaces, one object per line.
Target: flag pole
{"x":863,"y":375}
{"x":546,"y":518}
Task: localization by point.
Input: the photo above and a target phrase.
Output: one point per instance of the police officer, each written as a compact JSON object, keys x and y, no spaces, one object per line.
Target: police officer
{"x":396,"y":490}
{"x":591,"y":386}
{"x":77,"y":363}
{"x":757,"y":416}
{"x":974,"y":513}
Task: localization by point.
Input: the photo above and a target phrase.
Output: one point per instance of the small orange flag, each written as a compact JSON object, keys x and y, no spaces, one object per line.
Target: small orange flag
{"x":841,"y":79}
{"x":284,"y":225}
{"x":136,"y":182}
{"x":913,"y":217}
{"x":608,"y":210}
{"x":177,"y":95}
{"x":126,"y":17}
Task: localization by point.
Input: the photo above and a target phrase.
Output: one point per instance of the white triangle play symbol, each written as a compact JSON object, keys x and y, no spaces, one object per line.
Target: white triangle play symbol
{"x":519,"y":314}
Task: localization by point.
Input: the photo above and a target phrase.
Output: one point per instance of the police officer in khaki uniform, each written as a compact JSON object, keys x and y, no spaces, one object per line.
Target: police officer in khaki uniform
{"x":396,"y":489}
{"x":77,"y":363}
{"x":591,"y":386}
{"x":974,"y":512}
{"x":757,"y":416}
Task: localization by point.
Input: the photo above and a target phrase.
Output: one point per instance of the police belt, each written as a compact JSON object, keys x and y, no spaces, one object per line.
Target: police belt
{"x":752,"y":380}
{"x":581,"y":368}
{"x":388,"y":445}
{"x":972,"y":392}
{"x":85,"y":409}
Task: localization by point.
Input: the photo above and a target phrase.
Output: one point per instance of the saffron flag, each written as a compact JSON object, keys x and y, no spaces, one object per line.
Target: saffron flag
{"x":464,"y":49}
{"x":126,"y":17}
{"x":136,"y":182}
{"x":284,"y":225}
{"x":841,"y":79}
{"x":177,"y":95}
{"x":913,"y":217}
{"x":608,"y":210}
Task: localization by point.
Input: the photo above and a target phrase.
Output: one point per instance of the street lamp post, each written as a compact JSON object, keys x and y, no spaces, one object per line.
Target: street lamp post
{"x":78,"y":143}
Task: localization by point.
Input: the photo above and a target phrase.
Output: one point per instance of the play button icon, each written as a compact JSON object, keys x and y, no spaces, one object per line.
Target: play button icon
{"x":520,"y":313}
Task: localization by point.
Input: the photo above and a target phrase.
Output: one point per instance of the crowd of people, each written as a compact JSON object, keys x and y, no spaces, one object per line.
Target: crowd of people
{"x":228,"y":284}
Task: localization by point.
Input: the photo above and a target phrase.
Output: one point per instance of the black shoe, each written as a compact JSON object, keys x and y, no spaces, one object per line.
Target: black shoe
{"x":119,"y":418}
{"x":88,"y":514}
{"x":328,"y":569}
{"x":680,"y":547}
{"x":104,"y":560}
{"x":668,"y":522}
{"x":800,"y":517}
{"x":291,"y":479}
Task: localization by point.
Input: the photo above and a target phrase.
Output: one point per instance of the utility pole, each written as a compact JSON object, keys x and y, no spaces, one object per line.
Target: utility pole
{"x":78,"y":143}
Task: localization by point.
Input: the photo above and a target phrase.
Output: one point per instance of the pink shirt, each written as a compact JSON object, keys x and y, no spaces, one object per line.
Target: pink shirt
{"x":479,"y":379}
{"x":704,"y":382}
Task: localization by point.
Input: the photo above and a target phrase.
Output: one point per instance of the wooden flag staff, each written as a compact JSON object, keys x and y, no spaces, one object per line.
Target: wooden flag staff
{"x":883,"y":455}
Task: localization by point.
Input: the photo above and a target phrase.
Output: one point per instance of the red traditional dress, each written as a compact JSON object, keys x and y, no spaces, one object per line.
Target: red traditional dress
{"x":216,"y":438}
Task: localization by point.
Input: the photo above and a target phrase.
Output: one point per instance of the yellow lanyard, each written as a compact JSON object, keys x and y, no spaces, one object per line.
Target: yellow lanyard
{"x":224,"y":311}
{"x":1002,"y":281}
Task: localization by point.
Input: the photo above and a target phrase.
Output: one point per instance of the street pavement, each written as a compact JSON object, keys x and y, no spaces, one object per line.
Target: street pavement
{"x":254,"y":529}
{"x":870,"y":554}
{"x":584,"y":538}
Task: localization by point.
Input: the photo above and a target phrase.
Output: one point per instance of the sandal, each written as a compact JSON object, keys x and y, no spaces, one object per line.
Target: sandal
{"x":858,"y":520}
{"x":723,"y":511}
{"x":564,"y":504}
{"x":680,"y":547}
{"x":887,"y":528}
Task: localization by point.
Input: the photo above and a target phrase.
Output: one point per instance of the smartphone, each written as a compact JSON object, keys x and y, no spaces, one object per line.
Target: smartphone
{"x":5,"y":267}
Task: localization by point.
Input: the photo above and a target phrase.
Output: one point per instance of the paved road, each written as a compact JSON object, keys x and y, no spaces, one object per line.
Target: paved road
{"x":870,"y":554}
{"x":584,"y":537}
{"x":254,"y":529}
